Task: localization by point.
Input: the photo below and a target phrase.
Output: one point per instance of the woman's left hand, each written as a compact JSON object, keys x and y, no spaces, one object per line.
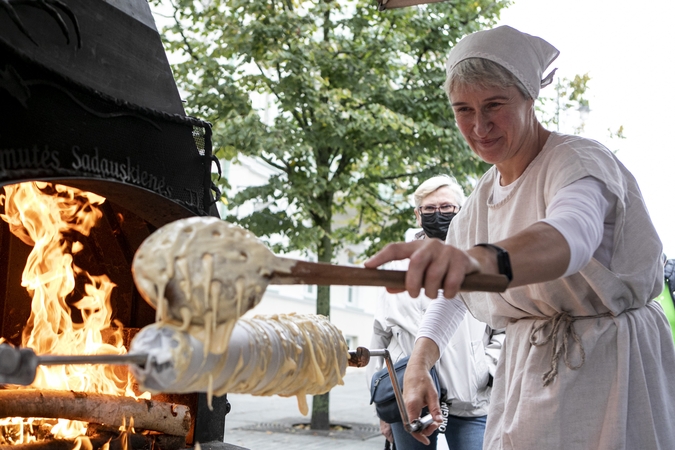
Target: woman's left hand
{"x":419,"y":389}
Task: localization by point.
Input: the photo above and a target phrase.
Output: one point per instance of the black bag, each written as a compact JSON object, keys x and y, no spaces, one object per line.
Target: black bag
{"x":382,"y":392}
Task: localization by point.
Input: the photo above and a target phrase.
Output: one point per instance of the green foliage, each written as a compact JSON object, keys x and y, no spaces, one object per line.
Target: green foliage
{"x":565,"y":109}
{"x":568,"y":95}
{"x":361,"y":116}
{"x":618,"y":133}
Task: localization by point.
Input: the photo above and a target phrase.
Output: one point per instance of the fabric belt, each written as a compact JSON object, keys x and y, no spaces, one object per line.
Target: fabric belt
{"x":561,"y":346}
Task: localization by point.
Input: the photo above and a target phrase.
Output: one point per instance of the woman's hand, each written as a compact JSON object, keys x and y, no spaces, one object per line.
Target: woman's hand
{"x":433,"y":266}
{"x":419,"y":389}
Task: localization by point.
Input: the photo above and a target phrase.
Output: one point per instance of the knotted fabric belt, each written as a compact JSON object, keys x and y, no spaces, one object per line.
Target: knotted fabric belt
{"x":561,"y":346}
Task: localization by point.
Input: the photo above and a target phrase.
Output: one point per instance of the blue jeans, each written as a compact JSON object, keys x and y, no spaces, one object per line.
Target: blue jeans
{"x":462,"y":433}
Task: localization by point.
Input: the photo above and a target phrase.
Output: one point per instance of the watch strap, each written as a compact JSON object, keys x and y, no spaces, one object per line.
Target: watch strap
{"x":503,"y":260}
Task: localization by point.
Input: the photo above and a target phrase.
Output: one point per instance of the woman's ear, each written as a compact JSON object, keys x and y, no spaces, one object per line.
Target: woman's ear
{"x":417,"y":217}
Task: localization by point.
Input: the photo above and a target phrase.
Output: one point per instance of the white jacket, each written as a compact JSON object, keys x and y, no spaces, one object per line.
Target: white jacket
{"x":466,"y":365}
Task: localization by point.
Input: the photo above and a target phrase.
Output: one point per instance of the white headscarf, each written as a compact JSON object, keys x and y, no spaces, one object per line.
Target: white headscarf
{"x":523,"y":55}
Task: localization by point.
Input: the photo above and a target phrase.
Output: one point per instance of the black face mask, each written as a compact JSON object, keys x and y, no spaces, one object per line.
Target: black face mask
{"x":436,"y":225}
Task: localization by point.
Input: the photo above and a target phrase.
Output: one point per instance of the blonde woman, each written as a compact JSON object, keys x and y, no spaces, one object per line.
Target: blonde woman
{"x":467,"y":363}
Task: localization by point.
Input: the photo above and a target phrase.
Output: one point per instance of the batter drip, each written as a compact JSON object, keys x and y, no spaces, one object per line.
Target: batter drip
{"x":284,"y":354}
{"x":202,"y":274}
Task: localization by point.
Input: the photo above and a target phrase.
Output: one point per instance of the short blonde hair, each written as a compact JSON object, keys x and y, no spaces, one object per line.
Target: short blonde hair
{"x":435,"y":183}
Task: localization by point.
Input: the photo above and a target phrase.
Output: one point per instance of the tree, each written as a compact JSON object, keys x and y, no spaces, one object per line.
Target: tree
{"x":361,"y":117}
{"x":567,"y":107}
{"x":569,"y":95}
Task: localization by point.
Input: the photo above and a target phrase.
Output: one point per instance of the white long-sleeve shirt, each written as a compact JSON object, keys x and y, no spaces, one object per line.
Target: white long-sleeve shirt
{"x":583,"y":212}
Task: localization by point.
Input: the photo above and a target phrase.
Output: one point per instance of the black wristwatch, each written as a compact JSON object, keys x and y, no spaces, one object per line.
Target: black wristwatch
{"x":503,"y":260}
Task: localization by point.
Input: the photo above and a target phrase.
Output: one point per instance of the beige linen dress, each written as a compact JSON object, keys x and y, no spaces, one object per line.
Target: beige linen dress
{"x":621,"y":396}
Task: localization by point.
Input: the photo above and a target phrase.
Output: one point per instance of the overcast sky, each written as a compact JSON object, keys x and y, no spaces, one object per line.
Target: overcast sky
{"x":628,"y":50}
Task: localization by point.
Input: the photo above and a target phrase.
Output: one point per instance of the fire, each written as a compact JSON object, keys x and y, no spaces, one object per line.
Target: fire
{"x":55,"y":220}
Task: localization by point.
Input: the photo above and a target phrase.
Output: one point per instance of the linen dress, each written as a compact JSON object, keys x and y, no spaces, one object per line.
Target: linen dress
{"x":621,"y":397}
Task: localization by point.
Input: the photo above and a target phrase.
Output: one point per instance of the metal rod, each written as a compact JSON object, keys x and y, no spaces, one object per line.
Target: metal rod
{"x":360,"y":358}
{"x":394,"y":384}
{"x":383,"y":353}
{"x":52,"y":360}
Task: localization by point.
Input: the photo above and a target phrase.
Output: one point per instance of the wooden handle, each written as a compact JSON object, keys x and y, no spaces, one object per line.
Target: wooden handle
{"x":323,"y":274}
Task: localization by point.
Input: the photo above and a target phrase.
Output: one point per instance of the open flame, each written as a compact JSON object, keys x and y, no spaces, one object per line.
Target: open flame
{"x":55,"y":219}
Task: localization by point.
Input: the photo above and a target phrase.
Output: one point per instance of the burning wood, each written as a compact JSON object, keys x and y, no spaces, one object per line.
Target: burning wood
{"x":114,"y":442}
{"x":96,"y":408}
{"x":70,"y":310}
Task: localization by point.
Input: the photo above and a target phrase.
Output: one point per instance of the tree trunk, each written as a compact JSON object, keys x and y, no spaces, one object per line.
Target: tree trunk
{"x":321,"y":403}
{"x":320,"y":416}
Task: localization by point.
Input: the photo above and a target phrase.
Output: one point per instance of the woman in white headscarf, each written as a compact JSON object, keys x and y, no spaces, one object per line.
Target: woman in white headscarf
{"x":588,"y":356}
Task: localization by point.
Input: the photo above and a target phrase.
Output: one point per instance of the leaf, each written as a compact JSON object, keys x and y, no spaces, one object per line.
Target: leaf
{"x":359,"y":117}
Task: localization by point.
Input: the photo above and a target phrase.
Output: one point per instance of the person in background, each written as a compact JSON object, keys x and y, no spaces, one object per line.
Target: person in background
{"x":588,"y":358}
{"x":467,"y":363}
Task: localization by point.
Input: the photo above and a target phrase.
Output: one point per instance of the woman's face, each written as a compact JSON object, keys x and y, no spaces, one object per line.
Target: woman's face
{"x":496,"y":122}
{"x":441,"y":196}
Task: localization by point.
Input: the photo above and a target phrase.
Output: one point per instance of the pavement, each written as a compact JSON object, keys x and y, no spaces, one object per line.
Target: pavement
{"x":263,"y":423}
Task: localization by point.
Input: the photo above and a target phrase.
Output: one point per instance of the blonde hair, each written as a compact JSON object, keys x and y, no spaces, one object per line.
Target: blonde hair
{"x":435,"y":183}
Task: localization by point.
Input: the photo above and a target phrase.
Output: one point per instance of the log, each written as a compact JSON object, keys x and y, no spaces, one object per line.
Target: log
{"x":49,"y":444}
{"x":149,"y":440}
{"x":135,"y":441}
{"x":96,"y":408}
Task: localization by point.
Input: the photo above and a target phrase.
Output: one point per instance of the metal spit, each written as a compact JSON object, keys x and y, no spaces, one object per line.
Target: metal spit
{"x":19,"y":366}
